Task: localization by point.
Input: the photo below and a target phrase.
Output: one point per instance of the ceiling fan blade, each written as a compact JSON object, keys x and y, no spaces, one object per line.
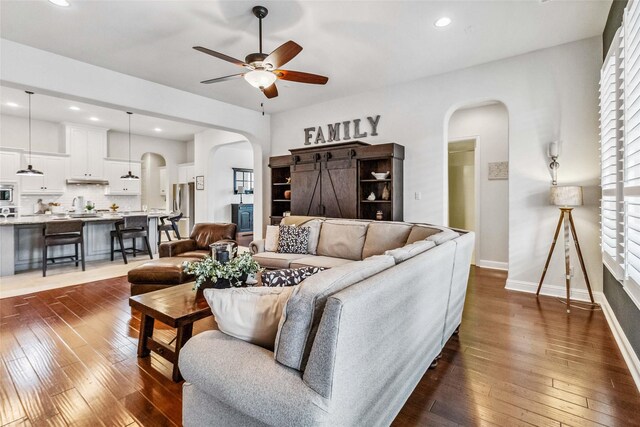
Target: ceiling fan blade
{"x":283,"y":54}
{"x":299,"y":76}
{"x":222,"y":56}
{"x":271,"y":91}
{"x":222,"y":79}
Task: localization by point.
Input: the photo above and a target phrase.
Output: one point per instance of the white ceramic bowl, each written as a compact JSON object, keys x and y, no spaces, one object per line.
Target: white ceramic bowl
{"x":380,"y":175}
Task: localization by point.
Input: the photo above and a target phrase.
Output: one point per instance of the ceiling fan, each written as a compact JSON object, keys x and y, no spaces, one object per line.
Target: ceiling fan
{"x":264,"y":69}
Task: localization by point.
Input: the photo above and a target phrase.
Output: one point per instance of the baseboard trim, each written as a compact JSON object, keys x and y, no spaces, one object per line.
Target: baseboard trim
{"x":549,"y":290}
{"x":494,"y":265}
{"x":629,"y":355}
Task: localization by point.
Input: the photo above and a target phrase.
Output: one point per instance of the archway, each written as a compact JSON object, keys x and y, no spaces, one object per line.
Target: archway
{"x":231,"y":166}
{"x":477,"y":150}
{"x":154,"y":186}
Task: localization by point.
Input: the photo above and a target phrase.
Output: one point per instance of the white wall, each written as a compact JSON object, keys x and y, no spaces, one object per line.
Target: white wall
{"x":14,"y":133}
{"x":549,"y":94}
{"x":221,"y":164}
{"x":490,"y":124}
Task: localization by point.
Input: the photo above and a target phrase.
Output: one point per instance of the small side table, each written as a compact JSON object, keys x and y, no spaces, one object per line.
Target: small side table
{"x":178,"y":307}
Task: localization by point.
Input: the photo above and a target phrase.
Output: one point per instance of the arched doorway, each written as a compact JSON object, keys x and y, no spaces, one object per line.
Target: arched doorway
{"x":477,"y":148}
{"x":233,"y":182}
{"x":153,"y":182}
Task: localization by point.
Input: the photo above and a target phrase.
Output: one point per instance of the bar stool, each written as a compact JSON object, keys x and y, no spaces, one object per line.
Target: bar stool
{"x":173,"y":225}
{"x":59,"y":233}
{"x":131,"y":227}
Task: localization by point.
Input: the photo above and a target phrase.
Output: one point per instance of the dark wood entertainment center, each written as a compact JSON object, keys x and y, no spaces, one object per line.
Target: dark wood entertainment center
{"x":335,"y":181}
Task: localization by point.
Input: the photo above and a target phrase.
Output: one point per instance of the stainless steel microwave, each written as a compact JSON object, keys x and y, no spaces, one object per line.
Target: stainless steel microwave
{"x":6,"y":194}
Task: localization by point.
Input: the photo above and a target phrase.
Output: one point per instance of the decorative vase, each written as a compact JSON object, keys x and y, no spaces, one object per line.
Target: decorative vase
{"x":379,"y":215}
{"x":287,"y":194}
{"x":386,"y":195}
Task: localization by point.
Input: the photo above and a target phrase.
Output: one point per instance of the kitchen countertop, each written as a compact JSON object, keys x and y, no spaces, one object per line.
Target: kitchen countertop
{"x":41,"y":219}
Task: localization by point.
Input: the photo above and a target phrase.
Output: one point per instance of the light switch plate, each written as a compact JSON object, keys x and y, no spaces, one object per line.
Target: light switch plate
{"x":418,"y":195}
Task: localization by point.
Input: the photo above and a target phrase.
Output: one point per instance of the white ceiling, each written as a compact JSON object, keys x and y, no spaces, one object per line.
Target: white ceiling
{"x":359,"y":45}
{"x":52,"y":109}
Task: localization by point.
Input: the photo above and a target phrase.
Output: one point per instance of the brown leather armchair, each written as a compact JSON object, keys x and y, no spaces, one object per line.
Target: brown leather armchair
{"x":197,"y":245}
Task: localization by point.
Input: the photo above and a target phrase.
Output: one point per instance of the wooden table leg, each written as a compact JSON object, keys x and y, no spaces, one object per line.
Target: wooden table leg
{"x":146,"y":331}
{"x":184,"y":333}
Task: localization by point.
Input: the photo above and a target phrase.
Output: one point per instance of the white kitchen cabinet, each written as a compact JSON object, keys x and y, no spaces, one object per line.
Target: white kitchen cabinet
{"x":114,"y":169}
{"x":9,"y":165}
{"x":54,"y":179}
{"x":186,"y":173}
{"x":163,"y":180}
{"x":87,"y":147}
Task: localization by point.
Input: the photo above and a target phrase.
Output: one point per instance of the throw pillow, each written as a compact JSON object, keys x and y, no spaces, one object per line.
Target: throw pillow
{"x":250,"y":314}
{"x":293,"y":240}
{"x":271,"y":239}
{"x":288,"y":276}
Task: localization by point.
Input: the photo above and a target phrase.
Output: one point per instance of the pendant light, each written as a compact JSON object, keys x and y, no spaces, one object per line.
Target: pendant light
{"x":129,"y":176}
{"x":29,"y":171}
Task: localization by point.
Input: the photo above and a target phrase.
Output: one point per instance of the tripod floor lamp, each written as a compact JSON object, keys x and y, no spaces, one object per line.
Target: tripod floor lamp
{"x":565,"y":196}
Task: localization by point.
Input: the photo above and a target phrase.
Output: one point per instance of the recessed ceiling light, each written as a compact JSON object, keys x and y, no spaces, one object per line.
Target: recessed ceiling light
{"x":157,"y":129}
{"x":74,"y":108}
{"x":12,"y":104}
{"x":94,"y":119}
{"x":442,"y":22}
{"x":63,"y":3}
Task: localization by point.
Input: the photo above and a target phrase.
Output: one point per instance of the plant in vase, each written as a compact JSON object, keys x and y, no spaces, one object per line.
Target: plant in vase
{"x":211,"y":273}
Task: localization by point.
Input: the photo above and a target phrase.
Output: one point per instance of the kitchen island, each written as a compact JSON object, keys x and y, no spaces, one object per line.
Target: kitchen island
{"x":21,"y":240}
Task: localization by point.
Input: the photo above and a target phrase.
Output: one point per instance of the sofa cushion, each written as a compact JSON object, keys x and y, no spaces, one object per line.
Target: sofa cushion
{"x":409,"y":251}
{"x":314,"y":235}
{"x":444,"y":236}
{"x":276,"y":260}
{"x":205,"y":233}
{"x":319,"y":261}
{"x":293,"y":240}
{"x":194,"y":254}
{"x":249,"y":314}
{"x":288,"y":276}
{"x":271,"y":238}
{"x":382,"y":236}
{"x":303,"y":311}
{"x":342,"y":239}
{"x":421,"y":232}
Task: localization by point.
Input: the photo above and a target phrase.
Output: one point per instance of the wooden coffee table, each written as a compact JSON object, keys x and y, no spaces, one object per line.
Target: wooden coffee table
{"x":178,"y":307}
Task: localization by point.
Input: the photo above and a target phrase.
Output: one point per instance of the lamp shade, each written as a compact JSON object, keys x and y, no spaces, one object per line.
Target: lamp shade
{"x":569,"y":195}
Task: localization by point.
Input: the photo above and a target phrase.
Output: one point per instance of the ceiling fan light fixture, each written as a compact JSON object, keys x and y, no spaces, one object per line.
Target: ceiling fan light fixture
{"x":260,"y":79}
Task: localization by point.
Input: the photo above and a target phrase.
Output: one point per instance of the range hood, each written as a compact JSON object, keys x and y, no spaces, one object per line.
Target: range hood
{"x":87,"y":181}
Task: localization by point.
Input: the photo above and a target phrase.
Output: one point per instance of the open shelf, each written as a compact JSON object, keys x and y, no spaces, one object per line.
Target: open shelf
{"x":281,"y":183}
{"x":282,"y":200}
{"x":376,"y":180}
{"x":375,"y":201}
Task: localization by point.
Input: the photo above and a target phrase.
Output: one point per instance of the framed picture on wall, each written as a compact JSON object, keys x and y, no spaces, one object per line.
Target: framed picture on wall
{"x":200,"y":182}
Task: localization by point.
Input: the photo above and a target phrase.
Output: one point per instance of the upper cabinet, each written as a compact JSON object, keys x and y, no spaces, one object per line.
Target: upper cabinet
{"x":54,"y":168}
{"x":186,"y":173}
{"x":9,"y":165}
{"x":87,"y":147}
{"x":114,"y":169}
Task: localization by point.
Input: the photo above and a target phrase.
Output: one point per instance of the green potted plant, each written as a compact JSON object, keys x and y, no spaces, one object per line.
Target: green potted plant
{"x":210,"y":273}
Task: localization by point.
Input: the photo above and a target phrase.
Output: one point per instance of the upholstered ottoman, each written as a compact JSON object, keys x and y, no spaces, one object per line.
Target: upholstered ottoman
{"x":158,"y":274}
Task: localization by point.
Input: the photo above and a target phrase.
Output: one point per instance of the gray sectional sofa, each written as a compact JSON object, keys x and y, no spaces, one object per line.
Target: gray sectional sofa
{"x":353,"y":341}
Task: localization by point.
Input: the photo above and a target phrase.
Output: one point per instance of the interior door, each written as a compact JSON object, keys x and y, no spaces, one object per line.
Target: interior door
{"x":305,"y":189}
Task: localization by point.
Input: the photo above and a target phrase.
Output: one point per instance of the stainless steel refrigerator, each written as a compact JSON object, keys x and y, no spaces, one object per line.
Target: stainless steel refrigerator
{"x":184,"y":201}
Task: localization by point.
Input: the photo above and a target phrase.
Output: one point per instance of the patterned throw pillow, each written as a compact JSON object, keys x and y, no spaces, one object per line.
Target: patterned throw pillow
{"x":289,"y":276}
{"x":293,"y":240}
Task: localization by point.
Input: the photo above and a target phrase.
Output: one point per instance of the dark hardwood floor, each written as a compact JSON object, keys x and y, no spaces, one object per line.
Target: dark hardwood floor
{"x":69,"y":358}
